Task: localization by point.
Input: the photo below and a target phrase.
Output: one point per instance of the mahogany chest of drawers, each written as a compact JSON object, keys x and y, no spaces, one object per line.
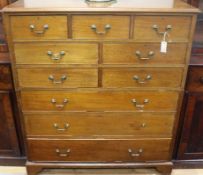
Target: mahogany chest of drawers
{"x":94,"y":88}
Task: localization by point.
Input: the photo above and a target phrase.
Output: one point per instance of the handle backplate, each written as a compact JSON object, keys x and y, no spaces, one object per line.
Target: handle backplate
{"x":39,"y":32}
{"x":156,"y":28}
{"x":138,"y":105}
{"x":149,"y":56}
{"x":107,"y":27}
{"x":144,"y":81}
{"x":63,"y":153}
{"x":56,"y":56}
{"x":54,"y":81}
{"x":59,"y":106}
{"x":66,"y":126}
{"x":137,"y":153}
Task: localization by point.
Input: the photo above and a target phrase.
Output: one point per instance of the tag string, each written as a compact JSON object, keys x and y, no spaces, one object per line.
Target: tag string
{"x":165,"y":35}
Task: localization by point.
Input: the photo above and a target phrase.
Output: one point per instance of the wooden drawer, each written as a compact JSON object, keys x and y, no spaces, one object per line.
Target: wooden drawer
{"x":144,"y":31}
{"x":195,"y":79}
{"x":56,"y":53}
{"x":99,"y":100}
{"x":39,"y":27}
{"x":149,"y":53}
{"x":142,"y":77}
{"x":100,"y":27}
{"x":57,"y":77}
{"x":100,"y":124}
{"x":5,"y":77}
{"x":99,"y":150}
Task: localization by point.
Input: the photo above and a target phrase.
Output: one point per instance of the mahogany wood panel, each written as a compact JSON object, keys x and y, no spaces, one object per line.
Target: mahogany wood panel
{"x":75,"y":53}
{"x":57,"y":27}
{"x":98,"y":150}
{"x":142,"y":77}
{"x":99,"y":100}
{"x":107,"y":124}
{"x":143,"y":28}
{"x":191,"y":143}
{"x":125,"y":53}
{"x":194,"y":2}
{"x":9,"y":142}
{"x":195,"y":79}
{"x":5,"y":77}
{"x":81,"y":27}
{"x":62,"y":77}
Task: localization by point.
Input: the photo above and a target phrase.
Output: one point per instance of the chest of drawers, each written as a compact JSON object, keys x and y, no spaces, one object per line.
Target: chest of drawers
{"x":94,"y":89}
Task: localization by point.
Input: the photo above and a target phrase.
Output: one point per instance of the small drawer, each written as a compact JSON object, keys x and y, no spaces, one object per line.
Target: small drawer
{"x":99,"y":100}
{"x":100,"y":27}
{"x":152,"y":28}
{"x":142,"y":77}
{"x":5,"y":77}
{"x":56,"y":53}
{"x":133,"y":53}
{"x":39,"y":27}
{"x":195,"y":79}
{"x":99,"y":150}
{"x":108,"y":124}
{"x":57,"y":77}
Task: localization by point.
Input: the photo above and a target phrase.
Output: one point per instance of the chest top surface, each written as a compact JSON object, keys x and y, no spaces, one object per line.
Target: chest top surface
{"x":115,"y":6}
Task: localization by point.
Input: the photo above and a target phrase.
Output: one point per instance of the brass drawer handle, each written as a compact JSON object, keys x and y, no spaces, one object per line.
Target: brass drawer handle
{"x":201,"y":80}
{"x":59,"y":106}
{"x":39,"y":32}
{"x":107,"y":27}
{"x":56,"y":56}
{"x":148,"y":57}
{"x":137,"y":105}
{"x":66,"y":126}
{"x":168,"y":28}
{"x":135,"y":153}
{"x":144,"y":81}
{"x":62,"y":79}
{"x":63,"y":153}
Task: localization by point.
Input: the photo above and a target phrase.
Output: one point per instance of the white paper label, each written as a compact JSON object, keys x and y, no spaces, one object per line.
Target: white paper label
{"x":164,"y":45}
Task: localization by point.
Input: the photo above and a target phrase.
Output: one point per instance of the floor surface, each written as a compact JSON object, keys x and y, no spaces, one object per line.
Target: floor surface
{"x":22,"y":171}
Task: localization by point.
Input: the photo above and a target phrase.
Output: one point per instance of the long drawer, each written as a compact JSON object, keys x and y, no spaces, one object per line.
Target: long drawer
{"x":99,"y":100}
{"x":39,"y":27}
{"x":100,"y":124}
{"x":99,"y":150}
{"x":142,"y":77}
{"x":143,"y":53}
{"x":58,"y":77}
{"x":56,"y":53}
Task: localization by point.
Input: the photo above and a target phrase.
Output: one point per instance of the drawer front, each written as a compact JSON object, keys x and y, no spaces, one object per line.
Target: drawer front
{"x":100,"y":124}
{"x":39,"y":27}
{"x":100,"y":27}
{"x":195,"y":79}
{"x":99,"y":100}
{"x":152,"y":28}
{"x":56,"y":53}
{"x":132,"y":53}
{"x":5,"y":77}
{"x":99,"y":150}
{"x":58,"y":77}
{"x":142,"y":77}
